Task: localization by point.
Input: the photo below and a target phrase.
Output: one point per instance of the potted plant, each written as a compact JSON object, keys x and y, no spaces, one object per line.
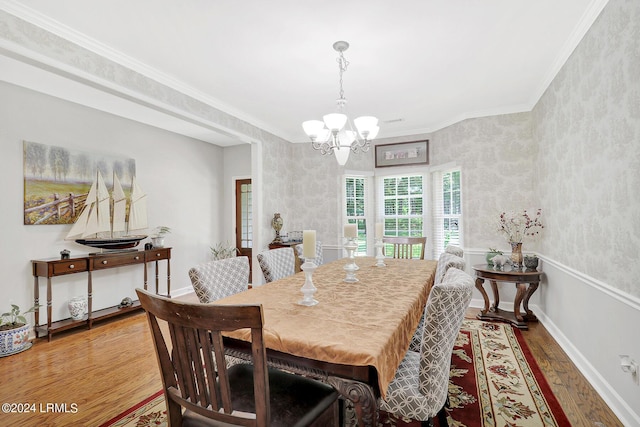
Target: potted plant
{"x":14,"y":331}
{"x":222,"y":251}
{"x":492,"y":252}
{"x":157,"y":238}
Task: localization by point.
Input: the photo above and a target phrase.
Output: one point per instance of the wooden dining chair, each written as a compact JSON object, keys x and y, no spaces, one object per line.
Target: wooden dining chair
{"x":446,"y":261}
{"x":277,"y":263}
{"x":246,"y":394}
{"x":420,"y":387}
{"x":217,"y":279}
{"x":403,"y":246}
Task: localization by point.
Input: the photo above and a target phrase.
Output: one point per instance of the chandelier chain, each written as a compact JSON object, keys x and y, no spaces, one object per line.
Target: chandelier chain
{"x":342,"y":65}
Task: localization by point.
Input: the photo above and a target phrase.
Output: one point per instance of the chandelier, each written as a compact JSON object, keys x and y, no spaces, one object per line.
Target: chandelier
{"x":335,"y":133}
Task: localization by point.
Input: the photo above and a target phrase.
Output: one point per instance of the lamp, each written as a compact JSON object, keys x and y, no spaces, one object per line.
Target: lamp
{"x":334,"y":133}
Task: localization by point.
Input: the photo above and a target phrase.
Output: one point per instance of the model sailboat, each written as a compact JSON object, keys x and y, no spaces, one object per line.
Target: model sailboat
{"x":97,"y":219}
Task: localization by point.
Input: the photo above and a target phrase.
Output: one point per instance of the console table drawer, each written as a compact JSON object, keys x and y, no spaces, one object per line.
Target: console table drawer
{"x":158,"y":253}
{"x":68,"y":267}
{"x":102,"y":262}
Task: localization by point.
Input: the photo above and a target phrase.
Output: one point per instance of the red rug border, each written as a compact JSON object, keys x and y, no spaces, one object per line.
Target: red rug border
{"x":133,"y":408}
{"x":549,"y":395}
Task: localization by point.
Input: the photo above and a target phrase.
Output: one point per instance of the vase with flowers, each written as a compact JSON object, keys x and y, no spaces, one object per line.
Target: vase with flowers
{"x":516,"y":227}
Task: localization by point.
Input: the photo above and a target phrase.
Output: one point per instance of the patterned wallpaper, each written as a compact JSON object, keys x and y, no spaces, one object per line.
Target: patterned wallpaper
{"x":496,"y":155}
{"x":587,"y":126}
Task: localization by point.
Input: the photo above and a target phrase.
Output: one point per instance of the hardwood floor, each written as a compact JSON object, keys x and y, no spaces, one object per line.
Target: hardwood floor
{"x":101,"y":372}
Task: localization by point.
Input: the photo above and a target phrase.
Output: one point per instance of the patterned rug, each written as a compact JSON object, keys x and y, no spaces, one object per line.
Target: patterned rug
{"x":494,"y":382}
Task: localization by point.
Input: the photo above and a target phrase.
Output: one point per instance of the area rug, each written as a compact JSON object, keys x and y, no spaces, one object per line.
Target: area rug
{"x":494,"y":382}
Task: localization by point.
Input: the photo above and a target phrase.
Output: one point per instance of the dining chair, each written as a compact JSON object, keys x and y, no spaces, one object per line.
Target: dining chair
{"x":403,"y":246}
{"x":455,"y":250}
{"x":217,"y":279}
{"x":249,"y":394}
{"x":277,"y":263}
{"x":445,"y":262}
{"x":318,"y":260}
{"x":420,"y":387}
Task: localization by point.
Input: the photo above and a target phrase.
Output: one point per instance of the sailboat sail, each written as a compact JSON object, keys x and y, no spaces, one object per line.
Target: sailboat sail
{"x":99,"y":217}
{"x":138,"y":208}
{"x":96,"y":216}
{"x":119,"y":206}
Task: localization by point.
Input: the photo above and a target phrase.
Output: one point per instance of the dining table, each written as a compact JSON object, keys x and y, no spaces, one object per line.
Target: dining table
{"x":357,"y":334}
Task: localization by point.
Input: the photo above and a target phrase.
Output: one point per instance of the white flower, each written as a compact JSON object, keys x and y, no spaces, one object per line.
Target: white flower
{"x":516,"y":226}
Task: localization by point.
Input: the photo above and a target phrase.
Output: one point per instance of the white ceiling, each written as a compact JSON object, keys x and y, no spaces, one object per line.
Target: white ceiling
{"x":418,"y":65}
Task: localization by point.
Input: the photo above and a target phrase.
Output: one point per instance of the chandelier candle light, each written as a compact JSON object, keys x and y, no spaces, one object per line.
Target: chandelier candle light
{"x":309,"y":254}
{"x":379,"y":245}
{"x":351,"y":233}
{"x":335,"y":133}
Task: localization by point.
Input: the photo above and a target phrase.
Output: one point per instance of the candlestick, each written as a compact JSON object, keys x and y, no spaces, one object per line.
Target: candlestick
{"x":379,"y":230}
{"x":379,"y":255}
{"x":350,"y":231}
{"x":308,"y":289}
{"x":309,"y":244}
{"x":351,"y":266}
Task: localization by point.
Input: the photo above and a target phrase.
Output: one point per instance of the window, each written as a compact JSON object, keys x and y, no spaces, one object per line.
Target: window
{"x":414,"y":205}
{"x":403,"y":206}
{"x":403,"y":203}
{"x":447,"y":210}
{"x":355,"y":208}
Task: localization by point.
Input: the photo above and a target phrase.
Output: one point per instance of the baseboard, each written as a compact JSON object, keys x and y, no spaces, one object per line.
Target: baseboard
{"x":611,"y":397}
{"x":181,"y":291}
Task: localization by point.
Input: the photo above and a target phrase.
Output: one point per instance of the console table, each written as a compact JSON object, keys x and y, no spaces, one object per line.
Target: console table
{"x":521,"y":278}
{"x":87,"y":264}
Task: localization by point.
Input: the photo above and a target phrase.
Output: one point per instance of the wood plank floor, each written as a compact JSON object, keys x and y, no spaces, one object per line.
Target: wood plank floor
{"x":101,"y":372}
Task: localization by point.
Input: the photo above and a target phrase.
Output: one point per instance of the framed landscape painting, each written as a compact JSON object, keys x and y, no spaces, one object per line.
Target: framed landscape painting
{"x":57,"y":180}
{"x":402,"y":154}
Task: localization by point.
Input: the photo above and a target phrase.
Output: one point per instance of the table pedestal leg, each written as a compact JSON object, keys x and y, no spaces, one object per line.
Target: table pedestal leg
{"x":529,"y":316}
{"x":496,"y":296}
{"x":363,"y":399}
{"x":521,"y":288}
{"x":479,"y":287}
{"x":515,"y":317}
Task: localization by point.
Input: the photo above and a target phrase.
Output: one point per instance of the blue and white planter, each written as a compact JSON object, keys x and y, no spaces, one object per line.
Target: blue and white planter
{"x":14,"y":340}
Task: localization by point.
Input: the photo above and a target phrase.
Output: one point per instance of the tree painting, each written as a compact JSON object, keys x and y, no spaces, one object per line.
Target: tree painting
{"x":57,"y":180}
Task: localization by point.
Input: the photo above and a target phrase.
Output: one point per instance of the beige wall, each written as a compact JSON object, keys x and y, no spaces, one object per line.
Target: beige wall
{"x":181,"y":176}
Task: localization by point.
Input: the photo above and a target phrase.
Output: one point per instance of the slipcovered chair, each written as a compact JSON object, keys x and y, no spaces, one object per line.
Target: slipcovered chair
{"x":249,"y":394}
{"x":455,"y":250}
{"x":277,"y":263}
{"x":218,"y":279}
{"x":420,"y":387}
{"x":445,"y":262}
{"x":317,"y":260}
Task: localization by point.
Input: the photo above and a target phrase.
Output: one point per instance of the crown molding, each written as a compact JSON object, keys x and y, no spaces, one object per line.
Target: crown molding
{"x":152,"y":75}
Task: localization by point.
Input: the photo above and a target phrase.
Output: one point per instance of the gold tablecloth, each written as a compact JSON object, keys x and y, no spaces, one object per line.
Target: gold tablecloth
{"x":368,"y":323}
